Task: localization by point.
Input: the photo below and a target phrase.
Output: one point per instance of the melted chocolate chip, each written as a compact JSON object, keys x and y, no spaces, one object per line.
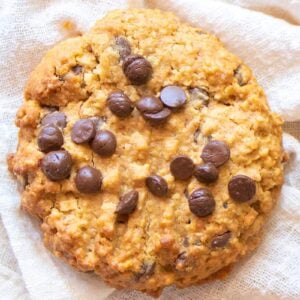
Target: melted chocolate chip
{"x":199,"y":94}
{"x":55,"y":118}
{"x":196,"y":135}
{"x":173,"y":96}
{"x":181,"y":259}
{"x":206,"y":173}
{"x":147,"y":270}
{"x":77,"y":69}
{"x":127,"y":203}
{"x":88,"y":180}
{"x":50,"y":138}
{"x":241,"y":188}
{"x":221,"y":240}
{"x":186,"y":241}
{"x":238,"y":74}
{"x":123,"y":47}
{"x":104,"y":143}
{"x":137,"y":69}
{"x":182,"y":167}
{"x":216,"y":152}
{"x":57,"y":165}
{"x":201,"y":202}
{"x":120,"y":104}
{"x":83,"y":131}
{"x":157,"y":185}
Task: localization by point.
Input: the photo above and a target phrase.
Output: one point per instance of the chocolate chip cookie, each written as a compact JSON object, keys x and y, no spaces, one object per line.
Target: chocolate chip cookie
{"x":148,"y":152}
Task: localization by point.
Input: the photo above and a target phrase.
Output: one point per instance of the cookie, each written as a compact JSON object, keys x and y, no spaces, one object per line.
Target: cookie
{"x":148,"y":152}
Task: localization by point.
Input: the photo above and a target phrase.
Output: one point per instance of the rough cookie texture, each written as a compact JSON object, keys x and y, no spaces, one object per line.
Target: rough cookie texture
{"x":161,"y":242}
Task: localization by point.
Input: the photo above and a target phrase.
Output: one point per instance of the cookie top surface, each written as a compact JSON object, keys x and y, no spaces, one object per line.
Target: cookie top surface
{"x":148,"y":151}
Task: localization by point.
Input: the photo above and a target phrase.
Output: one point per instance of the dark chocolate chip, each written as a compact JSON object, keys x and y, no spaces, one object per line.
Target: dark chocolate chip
{"x":149,"y":105}
{"x":55,"y":118}
{"x":57,"y":165}
{"x":137,"y":69}
{"x":182,"y":167}
{"x":173,"y":96}
{"x":225,"y":205}
{"x":157,"y":185}
{"x":199,"y":94}
{"x":181,"y":259}
{"x":238,"y":74}
{"x":186,"y":241}
{"x":127,"y":203}
{"x":77,"y":69}
{"x":123,"y":46}
{"x":147,"y":270}
{"x":50,"y":108}
{"x":159,"y":117}
{"x":216,"y":152}
{"x":202,"y":202}
{"x":196,"y":135}
{"x":50,"y":138}
{"x":206,"y":173}
{"x":83,"y":131}
{"x":104,"y":143}
{"x":221,"y":240}
{"x":241,"y":188}
{"x":120,"y":104}
{"x":88,"y":180}
{"x":122,"y":218}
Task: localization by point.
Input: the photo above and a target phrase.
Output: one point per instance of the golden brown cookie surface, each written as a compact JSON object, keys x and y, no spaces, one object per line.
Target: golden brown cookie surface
{"x":148,"y":151}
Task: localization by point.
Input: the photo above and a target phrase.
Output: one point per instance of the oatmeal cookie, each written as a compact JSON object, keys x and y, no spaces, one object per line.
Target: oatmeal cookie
{"x":148,"y":151}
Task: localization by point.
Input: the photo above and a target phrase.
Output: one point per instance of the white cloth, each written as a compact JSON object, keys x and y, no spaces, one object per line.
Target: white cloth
{"x":269,"y":45}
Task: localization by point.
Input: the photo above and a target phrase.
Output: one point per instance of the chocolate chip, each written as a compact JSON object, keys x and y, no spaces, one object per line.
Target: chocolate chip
{"x":199,"y":94}
{"x":127,"y":203}
{"x":83,"y":131}
{"x":149,"y":105}
{"x":104,"y":143}
{"x":120,"y":104}
{"x":181,"y":259}
{"x":55,"y":118}
{"x":186,"y":241}
{"x":88,"y":180}
{"x":122,"y":218}
{"x":152,"y":110}
{"x":137,"y":69}
{"x":182,"y":167}
{"x":221,"y":240}
{"x":50,"y":138}
{"x":241,"y":188}
{"x":238,"y":74}
{"x":201,"y":202}
{"x":216,"y":152}
{"x":77,"y":69}
{"x":123,"y":46}
{"x":159,"y":117}
{"x":147,"y":270}
{"x":173,"y":96}
{"x":225,"y":205}
{"x":157,"y":185}
{"x":57,"y":165}
{"x":196,"y":135}
{"x":206,"y":173}
{"x":50,"y":108}
{"x":98,"y":121}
